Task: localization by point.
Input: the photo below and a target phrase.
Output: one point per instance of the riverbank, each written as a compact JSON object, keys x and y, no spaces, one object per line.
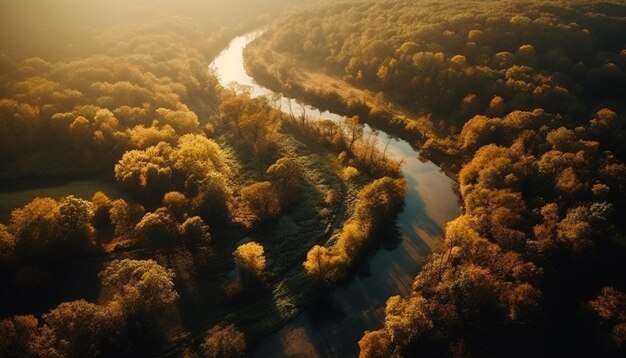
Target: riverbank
{"x":358,"y":304}
{"x":335,"y":95}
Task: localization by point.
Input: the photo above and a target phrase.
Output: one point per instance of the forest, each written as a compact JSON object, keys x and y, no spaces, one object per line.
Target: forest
{"x":216,"y":217}
{"x":219,"y":195}
{"x":522,"y":102}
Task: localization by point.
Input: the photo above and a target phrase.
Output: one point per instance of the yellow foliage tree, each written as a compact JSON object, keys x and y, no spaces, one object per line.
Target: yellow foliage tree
{"x":250,"y":259}
{"x":224,"y":342}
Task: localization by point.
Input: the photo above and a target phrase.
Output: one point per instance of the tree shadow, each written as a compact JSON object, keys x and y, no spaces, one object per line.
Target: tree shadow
{"x":325,"y":309}
{"x":38,"y":288}
{"x":388,"y":237}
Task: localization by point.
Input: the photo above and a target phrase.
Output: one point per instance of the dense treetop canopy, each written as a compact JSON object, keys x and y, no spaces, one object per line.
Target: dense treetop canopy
{"x":523,"y":101}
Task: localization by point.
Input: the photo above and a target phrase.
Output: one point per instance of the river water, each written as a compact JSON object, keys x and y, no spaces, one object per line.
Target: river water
{"x":358,"y":306}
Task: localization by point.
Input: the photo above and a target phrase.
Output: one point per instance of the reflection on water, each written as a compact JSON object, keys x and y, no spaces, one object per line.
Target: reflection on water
{"x":296,"y":343}
{"x":333,"y":327}
{"x":229,"y":65}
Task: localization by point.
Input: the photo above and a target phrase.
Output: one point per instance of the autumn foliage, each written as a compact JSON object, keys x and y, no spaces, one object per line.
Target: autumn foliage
{"x":377,"y":202}
{"x":224,"y":342}
{"x":524,"y":102}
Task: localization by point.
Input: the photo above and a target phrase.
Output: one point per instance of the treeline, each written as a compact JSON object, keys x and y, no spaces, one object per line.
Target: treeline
{"x":254,"y":125}
{"x":376,"y":204}
{"x":528,"y":99}
{"x":347,"y":136}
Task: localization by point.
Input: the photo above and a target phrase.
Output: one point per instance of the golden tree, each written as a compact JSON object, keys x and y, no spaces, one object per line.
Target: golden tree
{"x":250,"y":259}
{"x":223,"y":342}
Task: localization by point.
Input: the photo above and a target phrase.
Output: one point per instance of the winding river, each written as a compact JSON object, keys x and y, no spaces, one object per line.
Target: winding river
{"x":430,"y":203}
